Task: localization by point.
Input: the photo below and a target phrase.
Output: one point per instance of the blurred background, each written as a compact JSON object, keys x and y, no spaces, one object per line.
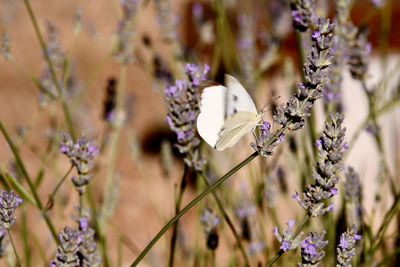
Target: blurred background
{"x":167,"y":34}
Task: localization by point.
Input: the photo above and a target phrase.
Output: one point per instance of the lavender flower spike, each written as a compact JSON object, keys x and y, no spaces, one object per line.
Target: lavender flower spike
{"x":67,"y":252}
{"x":346,"y":248}
{"x":209,"y":222}
{"x":302,"y":13}
{"x":329,"y":165}
{"x":8,"y":204}
{"x":81,"y":155}
{"x":312,"y":249}
{"x":183,"y":108}
{"x":286,"y":238}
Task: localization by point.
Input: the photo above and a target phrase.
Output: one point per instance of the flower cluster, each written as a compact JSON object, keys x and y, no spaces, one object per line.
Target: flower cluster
{"x":246,"y":46}
{"x":77,"y":246}
{"x":8,"y":204}
{"x":81,"y":155}
{"x":244,"y":211}
{"x":166,"y":19}
{"x":209,"y":222}
{"x":326,"y":174}
{"x":123,"y":50}
{"x":110,"y":101}
{"x":264,"y":146}
{"x":332,"y":93}
{"x":346,"y":248}
{"x":312,"y":249}
{"x":5,"y":45}
{"x":56,"y":55}
{"x":302,"y":13}
{"x":316,"y":70}
{"x":352,"y":194}
{"x":183,"y":108}
{"x":67,"y":251}
{"x":358,"y":55}
{"x":287,"y":243}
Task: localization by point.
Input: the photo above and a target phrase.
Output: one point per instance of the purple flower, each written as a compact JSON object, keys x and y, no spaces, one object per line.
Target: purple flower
{"x":333,"y":190}
{"x":285,"y":245}
{"x":319,"y":143}
{"x":265,"y":126}
{"x":281,"y":139}
{"x":312,"y":249}
{"x":316,"y":34}
{"x":286,"y":239}
{"x":346,"y":248}
{"x":308,"y":248}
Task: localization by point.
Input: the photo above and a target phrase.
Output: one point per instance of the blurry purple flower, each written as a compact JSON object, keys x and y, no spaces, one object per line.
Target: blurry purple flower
{"x":8,"y":204}
{"x":256,"y":247}
{"x":333,"y":190}
{"x":286,"y":239}
{"x":346,"y":248}
{"x":312,"y":249}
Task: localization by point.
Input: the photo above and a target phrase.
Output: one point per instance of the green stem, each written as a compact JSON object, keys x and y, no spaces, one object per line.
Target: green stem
{"x":175,"y":227}
{"x":228,"y":221}
{"x":190,"y":205}
{"x":281,"y":251}
{"x":385,"y":223}
{"x":29,"y":180}
{"x":50,"y":202}
{"x":15,"y":251}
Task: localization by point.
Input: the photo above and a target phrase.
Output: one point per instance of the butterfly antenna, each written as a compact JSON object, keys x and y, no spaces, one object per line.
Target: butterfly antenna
{"x":270,"y":101}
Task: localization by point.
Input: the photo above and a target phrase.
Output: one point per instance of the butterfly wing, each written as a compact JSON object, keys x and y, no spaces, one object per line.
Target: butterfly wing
{"x":237,"y":97}
{"x":212,"y":113}
{"x":235,"y":127}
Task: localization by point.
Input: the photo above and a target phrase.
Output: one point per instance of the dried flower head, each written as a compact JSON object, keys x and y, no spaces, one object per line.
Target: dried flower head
{"x":312,"y":249}
{"x":68,"y":250}
{"x":287,"y":243}
{"x":209,"y":222}
{"x":346,"y":249}
{"x":264,"y":144}
{"x":81,"y":155}
{"x":56,"y":54}
{"x":302,"y":13}
{"x":358,"y":56}
{"x":352,"y":195}
{"x":326,"y":174}
{"x":5,"y":45}
{"x":123,"y":48}
{"x":166,"y":19}
{"x":183,"y":108}
{"x":8,"y":204}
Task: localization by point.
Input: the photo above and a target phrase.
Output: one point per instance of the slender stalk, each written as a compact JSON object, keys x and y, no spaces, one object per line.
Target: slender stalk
{"x":281,"y":251}
{"x":51,"y":68}
{"x":228,"y":221}
{"x":15,"y":251}
{"x":175,"y":227}
{"x":50,"y":202}
{"x":379,"y":237}
{"x":30,"y":183}
{"x":113,"y":144}
{"x":190,"y":205}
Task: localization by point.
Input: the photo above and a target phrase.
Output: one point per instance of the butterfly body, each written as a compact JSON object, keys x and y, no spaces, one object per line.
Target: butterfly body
{"x":226,"y":114}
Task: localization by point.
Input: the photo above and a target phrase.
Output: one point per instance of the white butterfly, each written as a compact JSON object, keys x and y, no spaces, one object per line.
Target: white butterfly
{"x":226,"y":114}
